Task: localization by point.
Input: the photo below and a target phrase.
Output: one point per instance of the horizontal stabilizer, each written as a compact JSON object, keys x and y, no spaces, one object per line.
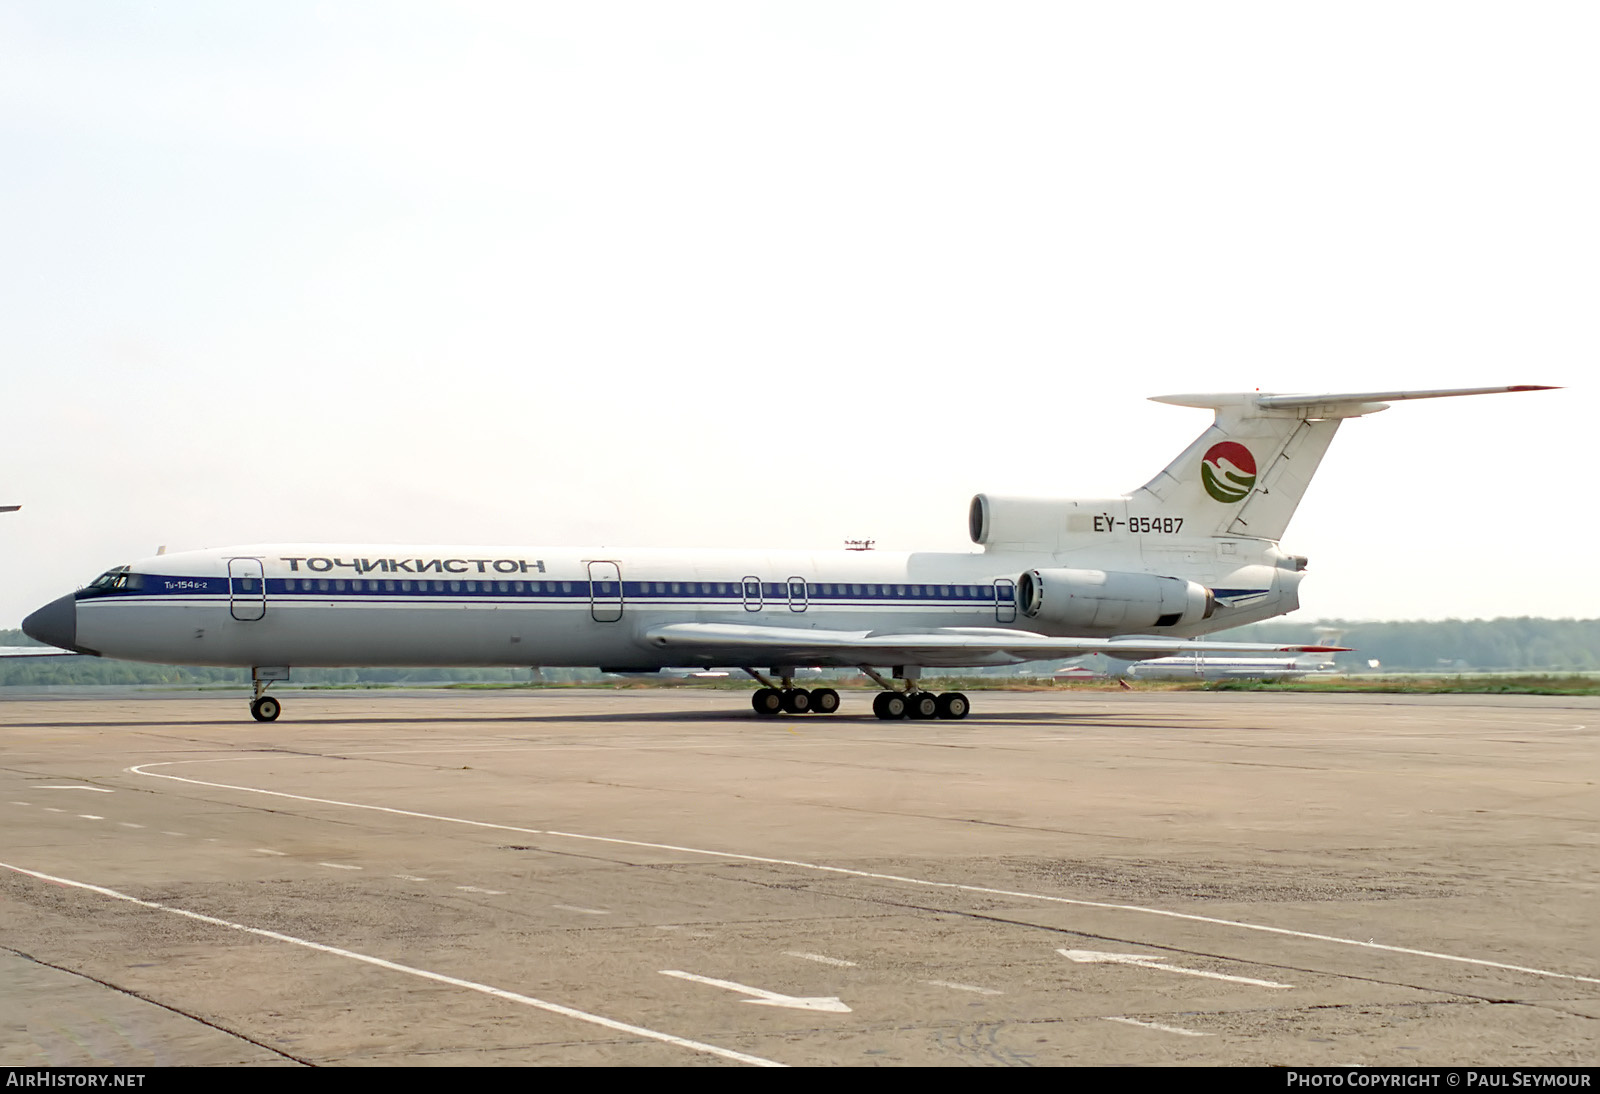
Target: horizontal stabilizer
{"x":1343,"y":405}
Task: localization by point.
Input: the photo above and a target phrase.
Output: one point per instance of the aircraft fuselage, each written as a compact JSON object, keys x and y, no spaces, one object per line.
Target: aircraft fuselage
{"x":355,"y":605}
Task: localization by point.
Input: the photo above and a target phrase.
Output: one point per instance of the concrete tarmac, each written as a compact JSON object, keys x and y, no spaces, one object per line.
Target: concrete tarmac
{"x":660,"y":878}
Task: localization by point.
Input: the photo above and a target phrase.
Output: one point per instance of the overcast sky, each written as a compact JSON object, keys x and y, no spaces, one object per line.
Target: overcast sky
{"x":782,"y":274}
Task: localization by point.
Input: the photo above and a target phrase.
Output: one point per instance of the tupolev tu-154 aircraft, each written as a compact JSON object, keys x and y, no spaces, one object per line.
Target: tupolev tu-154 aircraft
{"x":1194,"y":550}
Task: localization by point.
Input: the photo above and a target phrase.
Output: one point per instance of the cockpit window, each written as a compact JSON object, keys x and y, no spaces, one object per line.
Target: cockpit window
{"x":111,"y":580}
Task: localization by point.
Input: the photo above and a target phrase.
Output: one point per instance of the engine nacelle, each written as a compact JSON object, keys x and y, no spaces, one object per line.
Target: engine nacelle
{"x":1112,"y":602}
{"x":1016,"y":522}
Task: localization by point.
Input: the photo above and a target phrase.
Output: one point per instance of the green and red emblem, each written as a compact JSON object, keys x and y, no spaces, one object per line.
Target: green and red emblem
{"x":1228,"y":471}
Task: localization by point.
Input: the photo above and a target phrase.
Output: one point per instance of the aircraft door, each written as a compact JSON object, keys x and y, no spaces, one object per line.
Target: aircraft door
{"x":605,"y":592}
{"x":797,"y":594}
{"x":1005,"y":600}
{"x":752,"y":594}
{"x":247,"y":589}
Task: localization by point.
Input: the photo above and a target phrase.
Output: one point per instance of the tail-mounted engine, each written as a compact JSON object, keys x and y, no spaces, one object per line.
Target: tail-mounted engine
{"x":1101,"y":600}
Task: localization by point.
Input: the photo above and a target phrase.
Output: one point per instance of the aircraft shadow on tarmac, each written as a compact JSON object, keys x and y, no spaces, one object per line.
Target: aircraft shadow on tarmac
{"x":674,"y":716}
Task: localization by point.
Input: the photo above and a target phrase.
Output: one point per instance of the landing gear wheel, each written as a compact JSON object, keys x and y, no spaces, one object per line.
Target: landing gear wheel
{"x":889,"y":705}
{"x":796,"y":700}
{"x":824,"y":701}
{"x":265,"y":709}
{"x":922,"y":705}
{"x":954,"y":705}
{"x":767,"y":701}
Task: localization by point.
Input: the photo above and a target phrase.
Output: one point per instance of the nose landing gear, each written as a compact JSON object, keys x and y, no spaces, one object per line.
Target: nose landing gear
{"x":263,"y":707}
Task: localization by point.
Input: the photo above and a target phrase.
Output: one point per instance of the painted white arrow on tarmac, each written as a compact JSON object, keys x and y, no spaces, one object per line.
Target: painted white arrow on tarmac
{"x":765,"y":998}
{"x":1149,"y":961}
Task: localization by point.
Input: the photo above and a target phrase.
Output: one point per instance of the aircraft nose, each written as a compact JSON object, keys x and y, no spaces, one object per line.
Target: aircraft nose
{"x":55,"y":623}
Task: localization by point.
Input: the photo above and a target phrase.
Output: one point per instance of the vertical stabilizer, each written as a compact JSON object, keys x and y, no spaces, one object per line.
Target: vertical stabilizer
{"x":1245,"y":475}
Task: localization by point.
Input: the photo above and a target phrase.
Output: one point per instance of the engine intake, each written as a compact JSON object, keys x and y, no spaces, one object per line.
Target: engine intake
{"x":1112,"y":602}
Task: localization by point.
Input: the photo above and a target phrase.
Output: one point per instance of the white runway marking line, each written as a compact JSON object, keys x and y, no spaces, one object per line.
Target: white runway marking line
{"x":763,"y":998}
{"x":393,"y":966}
{"x":1158,"y":962}
{"x":843,"y":871}
{"x":486,"y":892}
{"x":96,"y":789}
{"x":580,"y":911}
{"x":962,"y":987}
{"x":837,"y":962}
{"x":89,"y":816}
{"x":1159,"y":1026}
{"x":338,"y":866}
{"x":270,"y":851}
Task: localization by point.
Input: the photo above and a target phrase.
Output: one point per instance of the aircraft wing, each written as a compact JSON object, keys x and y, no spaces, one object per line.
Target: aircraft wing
{"x":948,"y":647}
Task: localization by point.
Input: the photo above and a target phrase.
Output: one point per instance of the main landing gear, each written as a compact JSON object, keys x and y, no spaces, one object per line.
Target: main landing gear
{"x":785,"y":698}
{"x":264,"y":708}
{"x":913,"y":702}
{"x":782,"y":697}
{"x":920,"y":705}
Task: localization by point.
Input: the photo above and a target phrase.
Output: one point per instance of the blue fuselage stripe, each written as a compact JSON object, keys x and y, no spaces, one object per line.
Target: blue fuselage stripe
{"x":152,"y":586}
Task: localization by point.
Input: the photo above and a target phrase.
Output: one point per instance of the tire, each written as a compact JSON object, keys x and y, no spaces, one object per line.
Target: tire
{"x":266,"y":709}
{"x":889,"y":705}
{"x":922,"y":706}
{"x":767,"y":701}
{"x":954,"y":705}
{"x":796,"y":701}
{"x":824,"y":701}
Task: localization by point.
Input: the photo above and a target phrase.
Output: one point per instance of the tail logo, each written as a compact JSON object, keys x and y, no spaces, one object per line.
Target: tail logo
{"x":1228,"y":471}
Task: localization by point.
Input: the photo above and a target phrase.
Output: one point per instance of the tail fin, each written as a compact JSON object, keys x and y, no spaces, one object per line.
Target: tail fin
{"x":1245,"y":475}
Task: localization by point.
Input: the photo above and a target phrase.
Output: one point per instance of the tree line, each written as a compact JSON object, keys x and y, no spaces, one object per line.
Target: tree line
{"x":1452,"y":645}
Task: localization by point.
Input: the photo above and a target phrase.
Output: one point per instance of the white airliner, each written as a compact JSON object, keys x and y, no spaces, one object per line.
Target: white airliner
{"x":1192,"y":551}
{"x":1198,"y":666}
